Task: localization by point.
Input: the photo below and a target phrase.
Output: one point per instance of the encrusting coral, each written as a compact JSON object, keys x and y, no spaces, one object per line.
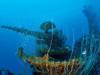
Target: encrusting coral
{"x":52,"y":40}
{"x":54,"y":49}
{"x":43,"y":65}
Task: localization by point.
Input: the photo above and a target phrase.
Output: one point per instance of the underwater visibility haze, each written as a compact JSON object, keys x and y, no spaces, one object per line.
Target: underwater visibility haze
{"x":49,"y":37}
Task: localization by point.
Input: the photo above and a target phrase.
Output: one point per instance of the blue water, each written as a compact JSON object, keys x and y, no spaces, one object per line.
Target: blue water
{"x":66,"y":14}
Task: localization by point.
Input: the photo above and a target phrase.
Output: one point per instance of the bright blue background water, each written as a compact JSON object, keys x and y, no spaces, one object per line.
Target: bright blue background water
{"x":66,"y":14}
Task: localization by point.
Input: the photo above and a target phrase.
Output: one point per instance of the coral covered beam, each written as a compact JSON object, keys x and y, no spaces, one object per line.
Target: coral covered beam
{"x":24,"y":31}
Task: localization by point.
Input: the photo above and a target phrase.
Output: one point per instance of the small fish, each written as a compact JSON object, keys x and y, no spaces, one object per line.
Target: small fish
{"x":84,"y":52}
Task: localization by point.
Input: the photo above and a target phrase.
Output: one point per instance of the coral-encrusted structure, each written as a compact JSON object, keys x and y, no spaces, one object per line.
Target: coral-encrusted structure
{"x":55,"y":56}
{"x":51,"y":48}
{"x":90,"y":44}
{"x":49,"y":40}
{"x":48,"y":66}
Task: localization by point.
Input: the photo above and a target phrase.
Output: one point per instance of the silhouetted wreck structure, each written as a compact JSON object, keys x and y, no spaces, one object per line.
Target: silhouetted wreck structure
{"x":88,"y":46}
{"x":50,"y":40}
{"x":51,"y":45}
{"x":5,"y":72}
{"x":52,"y":48}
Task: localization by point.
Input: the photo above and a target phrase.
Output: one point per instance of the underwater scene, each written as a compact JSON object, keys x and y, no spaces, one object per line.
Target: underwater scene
{"x":49,"y":37}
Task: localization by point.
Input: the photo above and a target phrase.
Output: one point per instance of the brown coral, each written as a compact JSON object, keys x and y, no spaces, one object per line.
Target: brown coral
{"x":46,"y":67}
